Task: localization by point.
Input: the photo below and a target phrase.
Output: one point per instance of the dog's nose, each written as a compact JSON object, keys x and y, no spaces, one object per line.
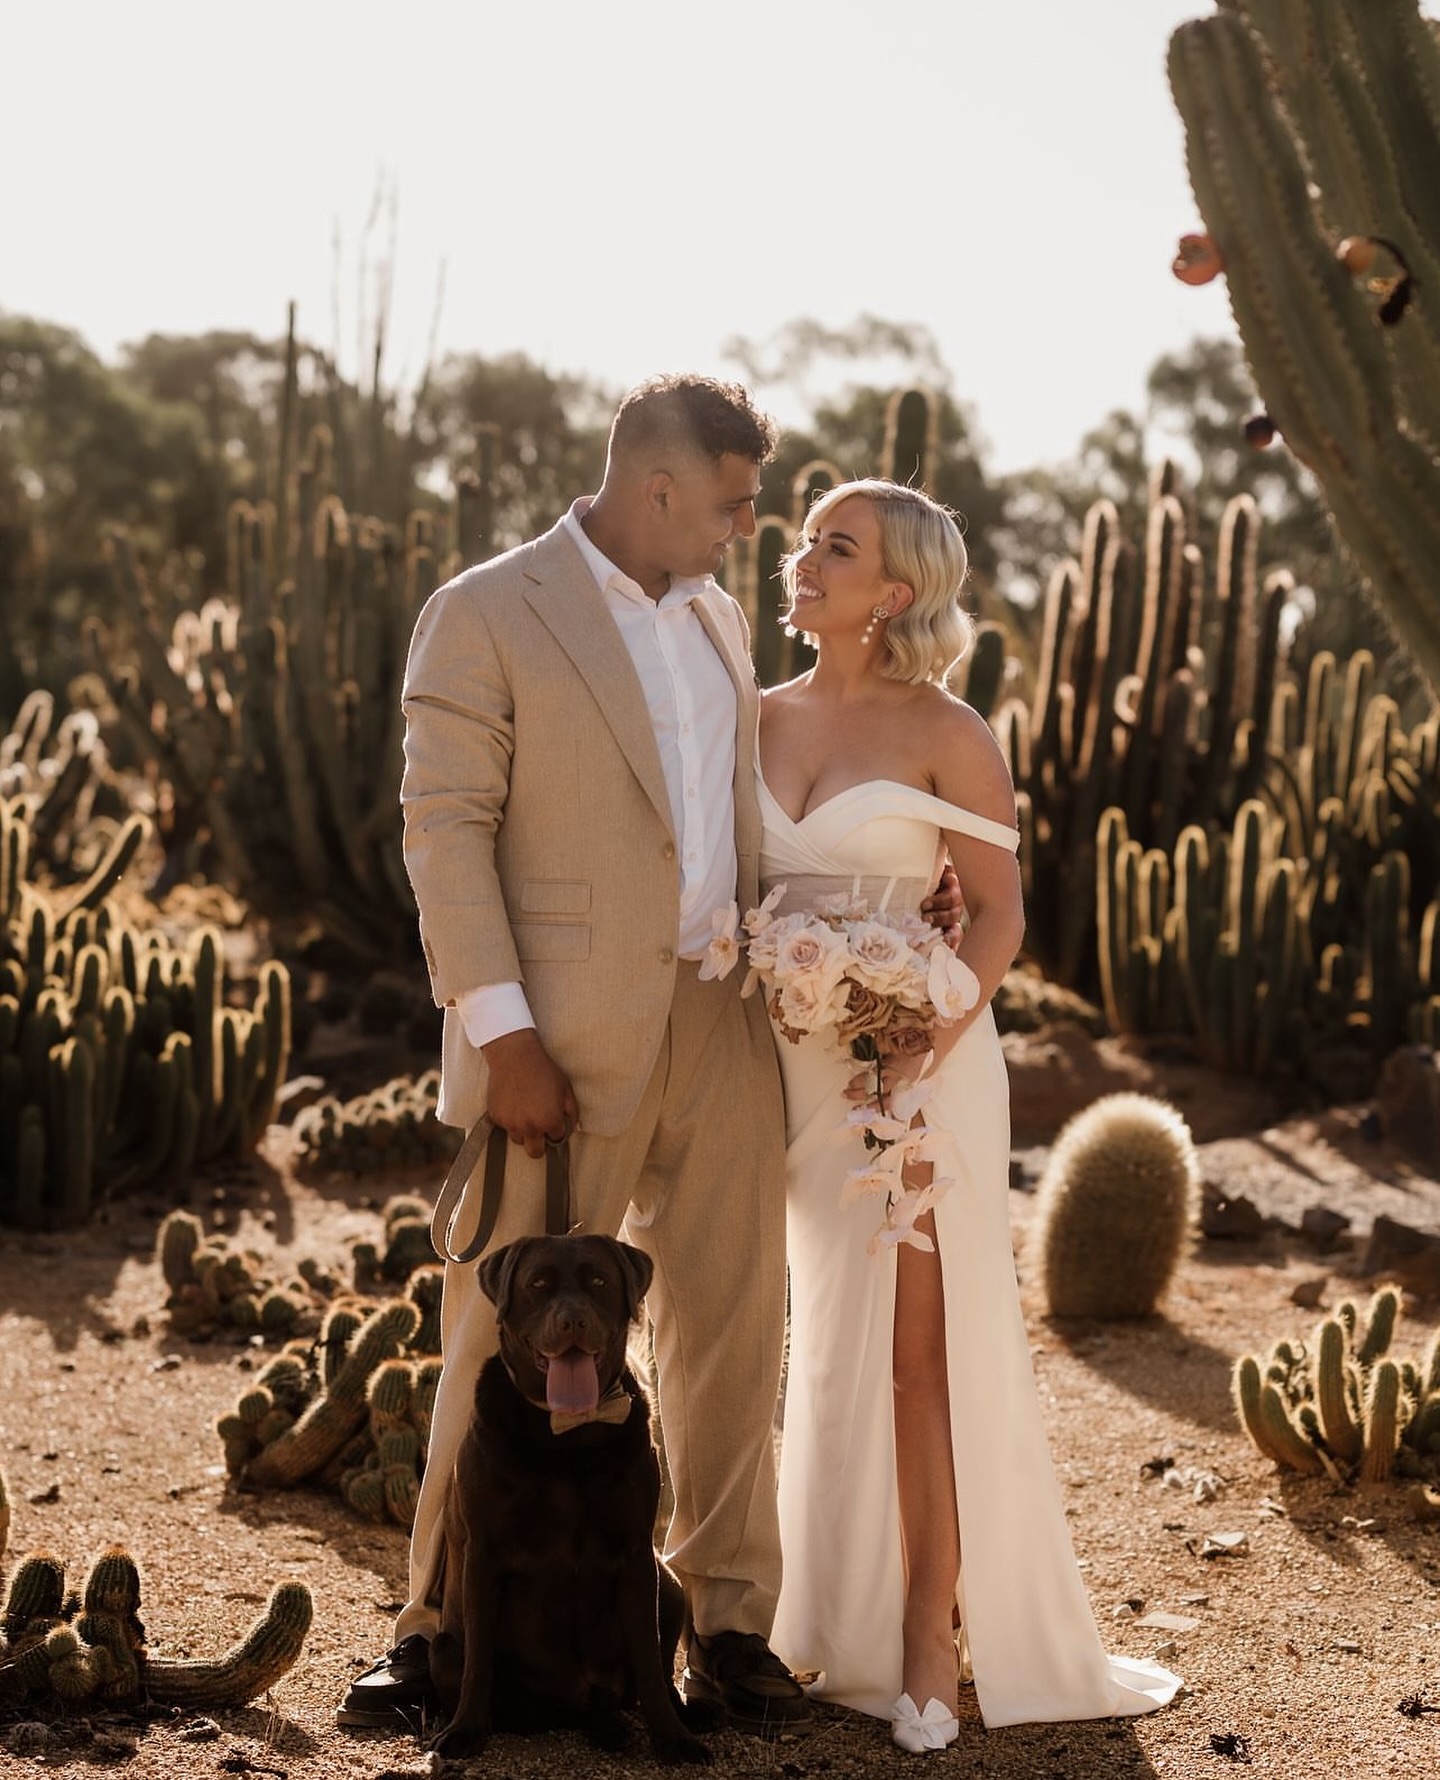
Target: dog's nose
{"x":571,"y":1319}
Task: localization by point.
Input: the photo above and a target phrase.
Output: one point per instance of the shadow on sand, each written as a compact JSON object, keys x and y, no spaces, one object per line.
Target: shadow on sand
{"x":1157,"y":1361}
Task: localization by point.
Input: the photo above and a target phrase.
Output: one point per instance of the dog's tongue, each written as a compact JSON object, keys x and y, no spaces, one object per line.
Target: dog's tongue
{"x":572,"y":1383}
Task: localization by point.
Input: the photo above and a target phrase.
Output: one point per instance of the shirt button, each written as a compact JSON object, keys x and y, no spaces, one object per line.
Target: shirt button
{"x":667,"y":956}
{"x":668,"y":850}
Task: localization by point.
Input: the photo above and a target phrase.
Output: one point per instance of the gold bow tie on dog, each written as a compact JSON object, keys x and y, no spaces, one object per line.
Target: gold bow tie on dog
{"x":614,"y":1407}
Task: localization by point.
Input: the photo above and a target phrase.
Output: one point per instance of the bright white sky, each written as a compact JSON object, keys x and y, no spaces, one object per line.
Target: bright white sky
{"x":616,"y":188}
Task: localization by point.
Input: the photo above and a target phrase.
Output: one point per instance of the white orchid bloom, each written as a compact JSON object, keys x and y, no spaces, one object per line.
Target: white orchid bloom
{"x":954,"y":987}
{"x":723,"y":952}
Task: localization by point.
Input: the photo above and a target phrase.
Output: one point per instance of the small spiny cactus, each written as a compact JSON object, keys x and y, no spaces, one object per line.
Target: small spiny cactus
{"x":1116,"y":1206}
{"x":64,"y":1652}
{"x":1342,"y":1404}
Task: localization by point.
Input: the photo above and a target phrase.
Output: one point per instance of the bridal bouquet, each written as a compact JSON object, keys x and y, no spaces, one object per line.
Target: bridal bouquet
{"x":876,"y":985}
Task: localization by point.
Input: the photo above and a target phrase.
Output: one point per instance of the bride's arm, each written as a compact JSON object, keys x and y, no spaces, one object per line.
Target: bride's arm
{"x":969,"y":770}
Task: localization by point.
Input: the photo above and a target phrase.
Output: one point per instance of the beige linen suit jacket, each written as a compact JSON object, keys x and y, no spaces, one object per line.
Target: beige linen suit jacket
{"x":538,"y":833}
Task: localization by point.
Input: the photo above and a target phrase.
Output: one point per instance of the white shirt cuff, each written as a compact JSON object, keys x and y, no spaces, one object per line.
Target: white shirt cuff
{"x":493,"y":1011}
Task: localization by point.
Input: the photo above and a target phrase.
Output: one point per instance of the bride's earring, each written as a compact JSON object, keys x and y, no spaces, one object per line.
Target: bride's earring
{"x":877,"y":613}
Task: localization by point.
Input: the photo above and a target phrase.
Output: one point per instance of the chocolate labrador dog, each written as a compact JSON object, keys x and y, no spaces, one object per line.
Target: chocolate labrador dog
{"x":556,"y":1611}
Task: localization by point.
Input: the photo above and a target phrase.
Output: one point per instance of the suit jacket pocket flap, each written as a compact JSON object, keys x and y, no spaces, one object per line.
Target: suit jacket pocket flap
{"x":554,"y":896}
{"x":551,"y":942}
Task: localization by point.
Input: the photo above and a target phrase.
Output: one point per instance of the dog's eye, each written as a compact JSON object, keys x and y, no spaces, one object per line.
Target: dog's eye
{"x":598,"y":1282}
{"x":541,"y":1282}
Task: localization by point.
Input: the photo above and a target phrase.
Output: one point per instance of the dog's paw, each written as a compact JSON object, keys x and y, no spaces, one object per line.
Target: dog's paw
{"x":681,"y":1747}
{"x":457,"y":1741}
{"x":700,"y":1715}
{"x":609,"y":1731}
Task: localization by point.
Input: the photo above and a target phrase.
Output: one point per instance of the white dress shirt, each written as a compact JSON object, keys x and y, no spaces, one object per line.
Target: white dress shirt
{"x":691,"y":700}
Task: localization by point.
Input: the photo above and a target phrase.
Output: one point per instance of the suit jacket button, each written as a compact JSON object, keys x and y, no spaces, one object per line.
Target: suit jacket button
{"x":667,"y":956}
{"x":668,"y":850}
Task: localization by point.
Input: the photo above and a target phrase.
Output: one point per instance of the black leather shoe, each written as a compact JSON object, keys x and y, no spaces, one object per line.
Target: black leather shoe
{"x":393,"y":1694}
{"x":739,"y":1672}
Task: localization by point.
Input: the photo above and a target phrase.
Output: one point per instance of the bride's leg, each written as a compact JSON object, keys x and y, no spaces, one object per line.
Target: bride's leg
{"x":925,"y":1474}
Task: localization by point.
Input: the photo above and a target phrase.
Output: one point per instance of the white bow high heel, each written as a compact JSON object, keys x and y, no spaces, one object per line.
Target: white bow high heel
{"x":916,"y":1732}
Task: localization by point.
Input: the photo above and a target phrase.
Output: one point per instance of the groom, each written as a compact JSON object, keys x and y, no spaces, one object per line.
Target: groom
{"x":579,"y":799}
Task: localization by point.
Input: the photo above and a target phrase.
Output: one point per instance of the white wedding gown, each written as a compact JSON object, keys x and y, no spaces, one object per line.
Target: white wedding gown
{"x":1033,"y":1644}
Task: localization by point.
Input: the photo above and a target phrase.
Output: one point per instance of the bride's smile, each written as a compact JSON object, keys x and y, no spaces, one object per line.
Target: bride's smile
{"x":841,"y":565}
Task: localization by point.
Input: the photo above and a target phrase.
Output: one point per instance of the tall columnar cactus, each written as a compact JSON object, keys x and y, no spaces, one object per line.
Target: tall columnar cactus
{"x":1267,"y":959}
{"x":275,"y":712}
{"x":1341,"y":1403}
{"x":912,"y":438}
{"x":1122,"y":1180}
{"x":1312,"y":132}
{"x":58,"y":773}
{"x":1130,"y":711}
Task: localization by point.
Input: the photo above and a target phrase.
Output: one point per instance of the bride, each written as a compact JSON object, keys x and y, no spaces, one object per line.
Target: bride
{"x":919,"y":1511}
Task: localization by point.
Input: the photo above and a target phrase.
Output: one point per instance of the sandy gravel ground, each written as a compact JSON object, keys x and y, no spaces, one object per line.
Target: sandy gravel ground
{"x":1307,"y":1638}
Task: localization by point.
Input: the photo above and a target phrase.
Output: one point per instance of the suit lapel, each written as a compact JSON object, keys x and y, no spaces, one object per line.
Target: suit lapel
{"x":563,"y":595}
{"x":747,"y":717}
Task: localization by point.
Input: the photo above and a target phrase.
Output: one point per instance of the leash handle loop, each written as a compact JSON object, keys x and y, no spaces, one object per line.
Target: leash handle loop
{"x":495,"y":1141}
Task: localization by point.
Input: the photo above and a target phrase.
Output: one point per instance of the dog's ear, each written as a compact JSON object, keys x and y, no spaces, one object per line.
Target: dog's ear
{"x":638,"y":1270}
{"x":497,"y":1273}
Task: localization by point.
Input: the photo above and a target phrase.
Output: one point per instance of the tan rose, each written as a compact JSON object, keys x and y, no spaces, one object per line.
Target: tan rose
{"x":865,"y":1011}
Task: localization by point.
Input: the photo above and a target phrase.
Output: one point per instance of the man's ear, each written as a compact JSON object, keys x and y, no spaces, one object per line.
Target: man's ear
{"x":657,"y":486}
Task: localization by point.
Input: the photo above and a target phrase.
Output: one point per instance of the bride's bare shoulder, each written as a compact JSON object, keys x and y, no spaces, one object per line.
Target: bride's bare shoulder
{"x":949,"y":719}
{"x":967,"y":762}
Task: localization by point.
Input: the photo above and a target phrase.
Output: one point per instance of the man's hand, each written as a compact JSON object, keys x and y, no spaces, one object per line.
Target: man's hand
{"x":530,"y":1095}
{"x":945,"y":905}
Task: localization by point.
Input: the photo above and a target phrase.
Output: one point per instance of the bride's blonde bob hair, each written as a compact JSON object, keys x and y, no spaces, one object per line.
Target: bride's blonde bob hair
{"x":920,"y":544}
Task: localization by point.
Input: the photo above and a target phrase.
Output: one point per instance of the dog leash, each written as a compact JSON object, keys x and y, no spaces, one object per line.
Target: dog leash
{"x":495,"y":1141}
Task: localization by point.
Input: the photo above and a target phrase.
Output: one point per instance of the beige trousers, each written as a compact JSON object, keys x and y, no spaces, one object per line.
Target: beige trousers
{"x":698,"y":1181}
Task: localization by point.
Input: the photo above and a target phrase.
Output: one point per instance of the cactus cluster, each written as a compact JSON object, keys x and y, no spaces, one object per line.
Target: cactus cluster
{"x":1153,"y":695}
{"x":211,"y":1285}
{"x":58,"y":1650}
{"x":404,"y":1246}
{"x":1341,"y":1404}
{"x":1315,"y":918}
{"x":392,"y":1127}
{"x":1122,"y":1180}
{"x":121,"y":1061}
{"x":1221,"y":844}
{"x":1310,"y":134}
{"x":350,"y":1411}
{"x":260,"y":708}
